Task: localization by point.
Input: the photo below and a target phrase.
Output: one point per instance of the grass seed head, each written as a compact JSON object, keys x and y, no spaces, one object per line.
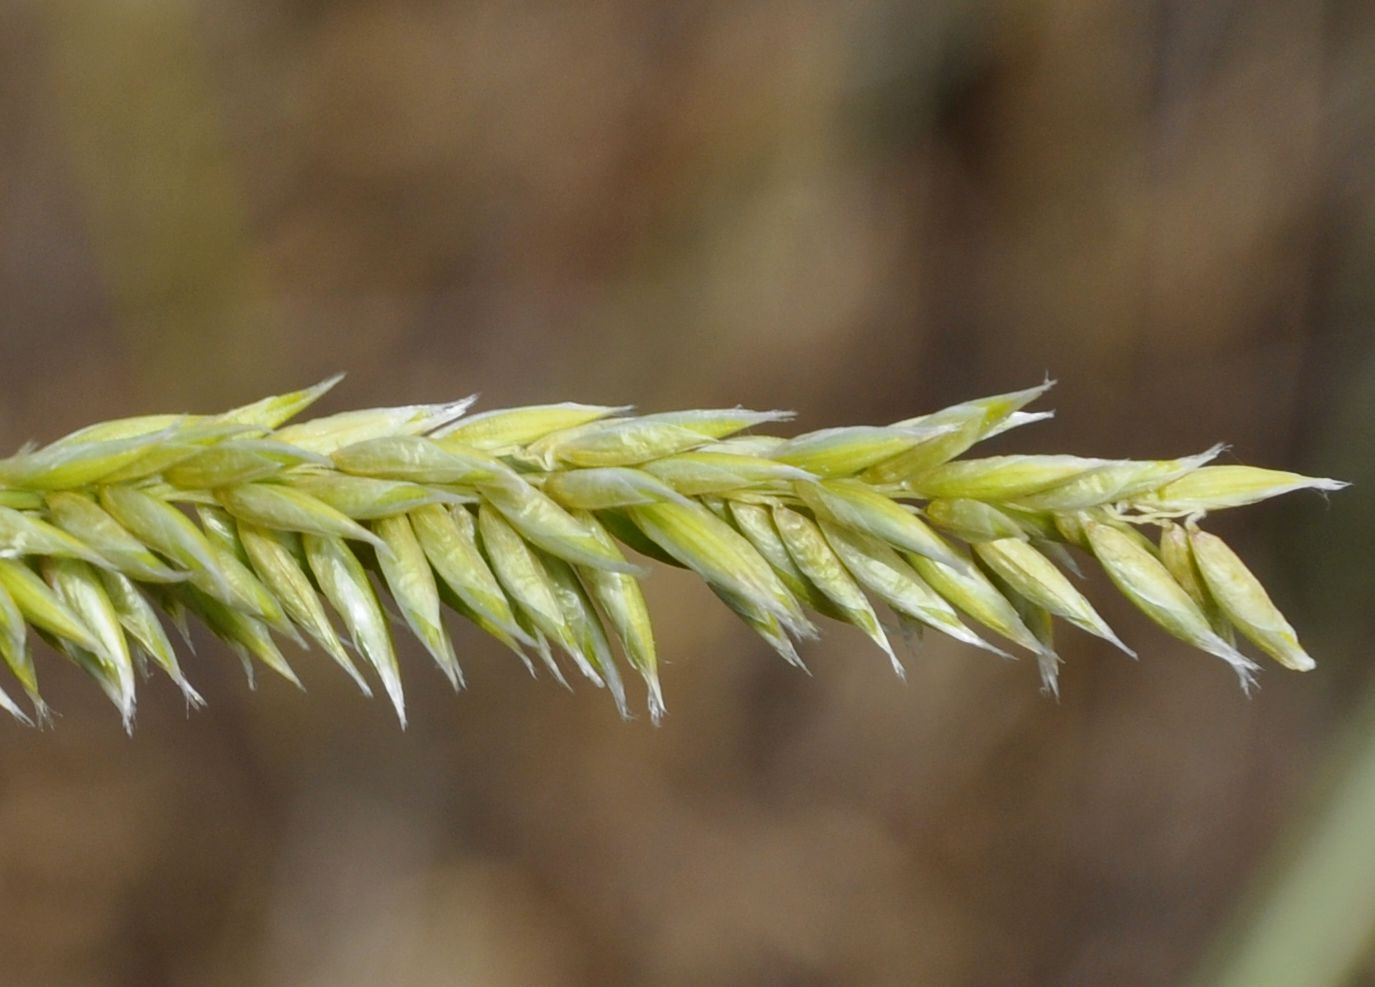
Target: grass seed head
{"x":516,"y":520}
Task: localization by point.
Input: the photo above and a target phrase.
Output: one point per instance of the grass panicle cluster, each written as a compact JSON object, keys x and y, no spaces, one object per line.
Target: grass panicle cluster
{"x":332,"y":530}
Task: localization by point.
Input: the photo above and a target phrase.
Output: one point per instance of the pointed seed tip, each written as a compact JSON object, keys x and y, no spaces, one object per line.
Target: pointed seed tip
{"x":1128,"y":651}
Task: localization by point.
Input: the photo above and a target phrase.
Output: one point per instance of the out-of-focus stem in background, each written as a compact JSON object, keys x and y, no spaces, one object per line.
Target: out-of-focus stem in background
{"x":1310,"y":919}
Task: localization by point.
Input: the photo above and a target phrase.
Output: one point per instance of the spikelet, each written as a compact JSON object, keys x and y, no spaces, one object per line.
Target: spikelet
{"x":517,"y":521}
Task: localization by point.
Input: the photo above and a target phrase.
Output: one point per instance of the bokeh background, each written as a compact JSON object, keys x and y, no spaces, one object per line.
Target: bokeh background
{"x":862,"y":211}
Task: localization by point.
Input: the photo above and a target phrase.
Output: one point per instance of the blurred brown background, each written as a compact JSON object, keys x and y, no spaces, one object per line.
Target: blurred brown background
{"x":861,"y":211}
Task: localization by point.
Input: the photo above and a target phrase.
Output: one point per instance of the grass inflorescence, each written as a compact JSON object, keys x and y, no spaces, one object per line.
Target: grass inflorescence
{"x":333,"y":530}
